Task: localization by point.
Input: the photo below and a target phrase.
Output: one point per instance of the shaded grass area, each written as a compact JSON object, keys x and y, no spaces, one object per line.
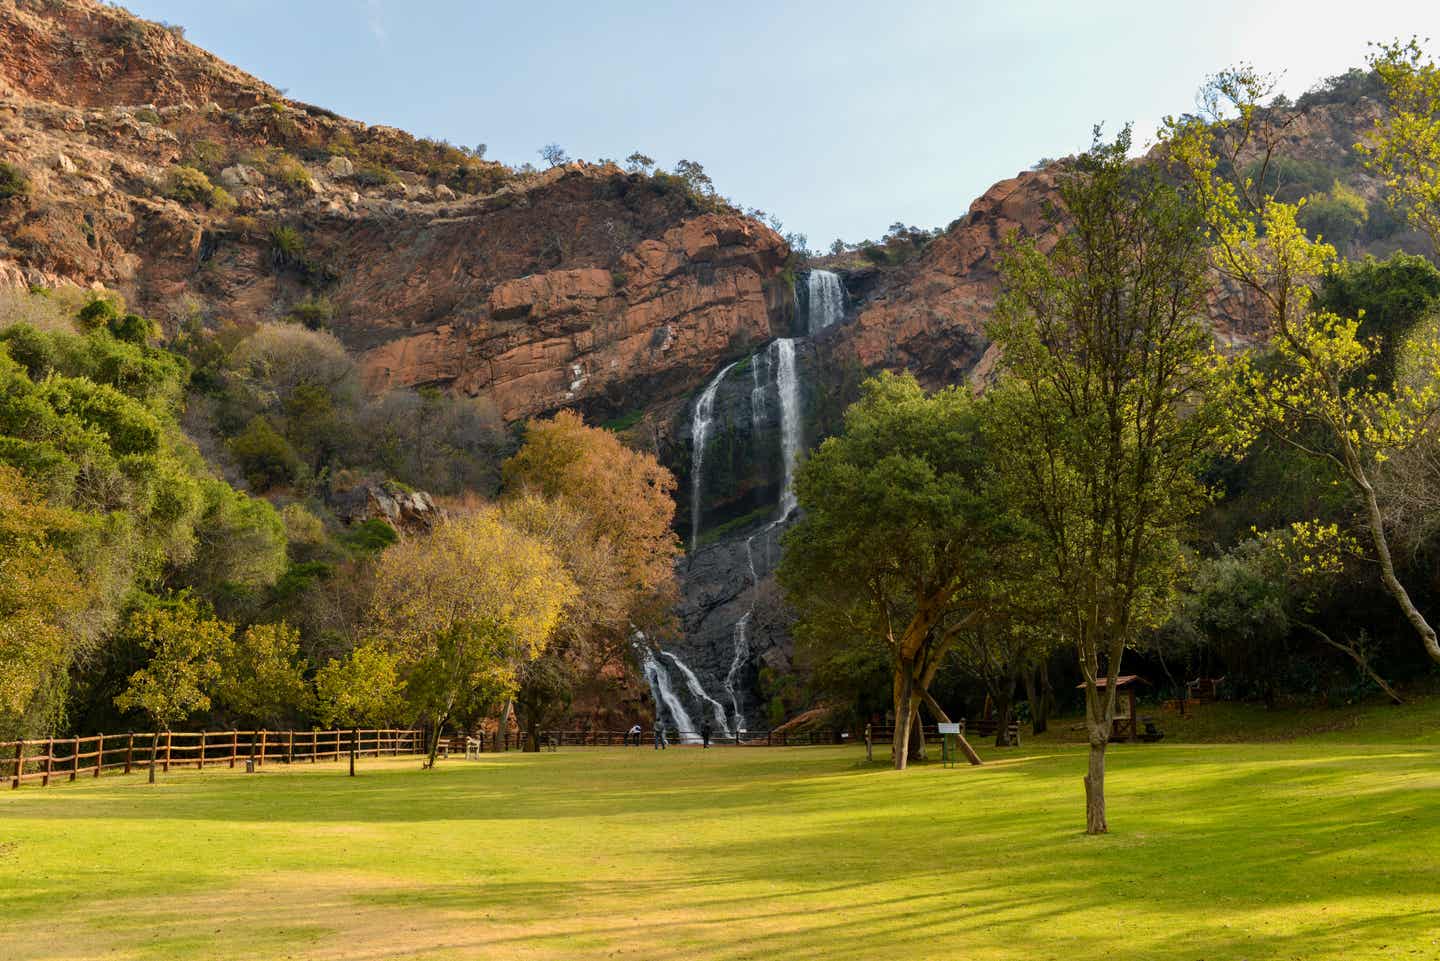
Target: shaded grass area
{"x":1327,"y":847}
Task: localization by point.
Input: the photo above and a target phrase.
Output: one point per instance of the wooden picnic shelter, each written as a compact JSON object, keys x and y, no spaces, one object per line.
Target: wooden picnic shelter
{"x":1127,"y":721}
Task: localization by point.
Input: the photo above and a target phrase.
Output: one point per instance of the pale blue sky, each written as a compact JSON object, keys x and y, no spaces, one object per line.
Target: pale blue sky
{"x":838,"y":117}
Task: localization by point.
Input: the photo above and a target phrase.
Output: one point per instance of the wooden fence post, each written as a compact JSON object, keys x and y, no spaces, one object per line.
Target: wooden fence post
{"x":19,"y":763}
{"x":129,"y":751}
{"x":234,"y":747}
{"x":154,"y":749}
{"x":289,"y":748}
{"x":49,"y":762}
{"x":99,"y":755}
{"x":169,"y":740}
{"x":74,"y":758}
{"x":314,"y":745}
{"x":354,"y":748}
{"x":260,"y":762}
{"x":200,"y":764}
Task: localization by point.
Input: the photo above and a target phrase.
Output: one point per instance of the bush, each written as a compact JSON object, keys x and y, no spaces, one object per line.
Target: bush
{"x":266,"y":458}
{"x":373,"y":175}
{"x":315,"y":313}
{"x":98,"y":313}
{"x":290,"y":172}
{"x":188,"y":185}
{"x":13,"y":183}
{"x":287,"y":247}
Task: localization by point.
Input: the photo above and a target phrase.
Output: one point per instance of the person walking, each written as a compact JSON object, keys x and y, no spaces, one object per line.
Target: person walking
{"x":659,"y":736}
{"x":705,"y":734}
{"x":633,"y":735}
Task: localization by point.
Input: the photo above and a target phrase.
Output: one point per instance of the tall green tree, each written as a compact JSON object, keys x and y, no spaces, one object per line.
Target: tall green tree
{"x":896,"y":541}
{"x":184,"y":645}
{"x":1106,"y":406}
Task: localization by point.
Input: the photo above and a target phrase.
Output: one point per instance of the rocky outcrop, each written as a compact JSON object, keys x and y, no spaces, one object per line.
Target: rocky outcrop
{"x":405,"y":510}
{"x":581,"y":286}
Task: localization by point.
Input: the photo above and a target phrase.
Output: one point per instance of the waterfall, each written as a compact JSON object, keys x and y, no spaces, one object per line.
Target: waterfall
{"x":660,"y":689}
{"x":787,"y":383}
{"x":699,"y":433}
{"x":826,"y":300}
{"x":759,"y":382}
{"x":697,"y":690}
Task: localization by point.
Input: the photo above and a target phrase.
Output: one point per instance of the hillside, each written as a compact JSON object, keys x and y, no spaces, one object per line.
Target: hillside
{"x":156,"y":170}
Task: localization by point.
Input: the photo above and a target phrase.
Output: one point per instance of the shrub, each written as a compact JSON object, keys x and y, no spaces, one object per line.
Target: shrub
{"x":98,"y":313}
{"x":146,"y":115}
{"x":287,"y":247}
{"x":13,"y":183}
{"x":315,"y":313}
{"x":290,"y":172}
{"x":266,"y":458}
{"x":221,"y":200}
{"x":188,"y":185}
{"x":206,"y":155}
{"x":132,"y":328}
{"x":373,"y":175}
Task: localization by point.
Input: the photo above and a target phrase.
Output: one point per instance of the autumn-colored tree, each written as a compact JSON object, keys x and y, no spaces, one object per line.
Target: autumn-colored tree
{"x":606,"y":510}
{"x":39,"y":588}
{"x":465,"y":607}
{"x":626,"y":495}
{"x":1314,"y":392}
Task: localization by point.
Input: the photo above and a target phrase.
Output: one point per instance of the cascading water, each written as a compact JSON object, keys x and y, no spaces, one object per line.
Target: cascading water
{"x":663,"y":693}
{"x":697,"y":691}
{"x":777,"y":365}
{"x":826,"y":300}
{"x":699,"y":434}
{"x":787,"y":383}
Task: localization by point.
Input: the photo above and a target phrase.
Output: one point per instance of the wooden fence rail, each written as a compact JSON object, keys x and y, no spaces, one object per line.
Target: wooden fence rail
{"x":42,"y":759}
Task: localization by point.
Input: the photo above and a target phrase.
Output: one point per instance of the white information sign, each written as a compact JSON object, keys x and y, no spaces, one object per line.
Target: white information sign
{"x":949,"y":728}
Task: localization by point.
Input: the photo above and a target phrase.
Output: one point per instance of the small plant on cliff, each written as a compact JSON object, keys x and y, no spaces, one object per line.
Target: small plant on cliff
{"x":554,"y":155}
{"x":314,"y":312}
{"x":373,"y":175}
{"x":287,"y":247}
{"x":187,"y":185}
{"x":13,"y":183}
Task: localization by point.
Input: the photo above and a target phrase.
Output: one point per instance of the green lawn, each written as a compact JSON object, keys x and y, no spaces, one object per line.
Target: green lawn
{"x":1324,"y":847}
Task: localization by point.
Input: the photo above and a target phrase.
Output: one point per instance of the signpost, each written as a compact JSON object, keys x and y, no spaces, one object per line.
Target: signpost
{"x":949,"y":749}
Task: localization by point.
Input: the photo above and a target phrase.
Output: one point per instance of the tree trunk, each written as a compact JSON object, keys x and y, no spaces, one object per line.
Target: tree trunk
{"x":502,"y":727}
{"x":1004,"y":697}
{"x":1376,"y":522}
{"x":904,"y":715}
{"x":435,"y":739}
{"x":1095,"y":789}
{"x":917,"y":731}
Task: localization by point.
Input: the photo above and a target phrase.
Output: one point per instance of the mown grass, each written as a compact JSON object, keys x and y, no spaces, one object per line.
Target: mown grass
{"x":1322,"y":847}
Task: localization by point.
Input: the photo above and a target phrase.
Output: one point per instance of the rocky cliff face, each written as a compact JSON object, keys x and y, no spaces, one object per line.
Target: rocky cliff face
{"x":583,"y":286}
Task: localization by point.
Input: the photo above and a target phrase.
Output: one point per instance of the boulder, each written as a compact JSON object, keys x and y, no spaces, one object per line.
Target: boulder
{"x":239,"y":175}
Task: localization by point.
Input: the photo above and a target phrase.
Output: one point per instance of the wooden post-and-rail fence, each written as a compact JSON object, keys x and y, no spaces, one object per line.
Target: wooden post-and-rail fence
{"x":44,"y":759}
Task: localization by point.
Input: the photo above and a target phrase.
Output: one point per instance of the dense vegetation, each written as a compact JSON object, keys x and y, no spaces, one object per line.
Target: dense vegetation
{"x":143,"y":587}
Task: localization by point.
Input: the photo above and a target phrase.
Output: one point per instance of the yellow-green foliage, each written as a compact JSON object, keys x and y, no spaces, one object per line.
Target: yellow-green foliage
{"x":1405,"y":151}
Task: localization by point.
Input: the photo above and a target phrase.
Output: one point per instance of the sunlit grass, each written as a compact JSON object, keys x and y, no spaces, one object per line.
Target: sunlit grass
{"x":1324,"y":847}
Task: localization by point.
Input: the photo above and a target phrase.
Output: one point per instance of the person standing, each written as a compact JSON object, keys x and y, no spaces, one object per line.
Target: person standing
{"x":705,"y":734}
{"x":659,"y":736}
